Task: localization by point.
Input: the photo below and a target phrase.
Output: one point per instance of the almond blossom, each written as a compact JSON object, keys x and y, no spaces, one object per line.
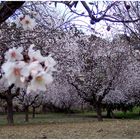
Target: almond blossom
{"x":15,"y":72}
{"x":35,"y":55}
{"x":49,"y":64}
{"x":27,"y":22}
{"x":34,"y":68}
{"x":32,"y":71}
{"x":14,"y":54}
{"x":40,"y":81}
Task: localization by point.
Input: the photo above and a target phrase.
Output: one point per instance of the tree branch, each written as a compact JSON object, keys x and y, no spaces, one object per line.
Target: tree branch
{"x":8,"y":9}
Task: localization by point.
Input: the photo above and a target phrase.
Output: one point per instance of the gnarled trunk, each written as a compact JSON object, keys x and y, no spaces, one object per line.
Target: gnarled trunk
{"x":108,"y":113}
{"x":99,"y":112}
{"x":26,"y":113}
{"x":10,"y":110}
{"x":33,"y":114}
{"x":44,"y":108}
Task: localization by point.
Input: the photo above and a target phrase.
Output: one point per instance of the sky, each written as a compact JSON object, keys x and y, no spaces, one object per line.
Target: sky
{"x":86,"y":26}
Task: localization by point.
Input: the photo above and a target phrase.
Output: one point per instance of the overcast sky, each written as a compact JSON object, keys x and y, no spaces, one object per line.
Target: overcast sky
{"x":86,"y":26}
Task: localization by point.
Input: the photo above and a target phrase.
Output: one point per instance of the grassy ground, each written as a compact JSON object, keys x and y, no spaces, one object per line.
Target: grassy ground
{"x":69,"y":126}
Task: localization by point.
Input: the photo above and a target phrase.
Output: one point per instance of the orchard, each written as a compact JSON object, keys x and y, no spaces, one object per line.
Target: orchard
{"x":64,"y":62}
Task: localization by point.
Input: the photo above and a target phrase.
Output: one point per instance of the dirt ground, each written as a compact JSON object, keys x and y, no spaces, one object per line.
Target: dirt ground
{"x":82,"y":130}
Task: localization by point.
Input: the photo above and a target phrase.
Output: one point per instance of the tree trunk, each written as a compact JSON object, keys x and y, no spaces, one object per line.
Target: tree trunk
{"x":44,"y":108}
{"x":10,"y":111}
{"x":113,"y":116}
{"x":108,"y":113}
{"x":99,"y":112}
{"x":33,"y":115}
{"x":26,"y":113}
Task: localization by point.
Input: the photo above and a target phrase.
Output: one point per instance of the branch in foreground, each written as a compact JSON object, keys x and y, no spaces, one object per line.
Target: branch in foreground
{"x":8,"y":8}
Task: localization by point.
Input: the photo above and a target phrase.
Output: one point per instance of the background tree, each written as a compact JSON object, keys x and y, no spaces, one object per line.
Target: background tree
{"x":33,"y":100}
{"x":100,"y":69}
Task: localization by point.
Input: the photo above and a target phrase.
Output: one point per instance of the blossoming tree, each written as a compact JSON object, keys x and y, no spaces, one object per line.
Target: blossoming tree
{"x":29,"y":70}
{"x":100,"y":69}
{"x":25,"y":68}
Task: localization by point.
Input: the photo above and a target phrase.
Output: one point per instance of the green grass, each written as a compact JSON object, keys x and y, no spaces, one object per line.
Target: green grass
{"x":50,"y":118}
{"x":77,"y":125}
{"x":128,"y":115}
{"x":134,"y":114}
{"x":64,"y":118}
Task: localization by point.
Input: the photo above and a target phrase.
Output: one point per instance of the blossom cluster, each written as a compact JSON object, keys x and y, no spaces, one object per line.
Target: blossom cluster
{"x":28,"y":69}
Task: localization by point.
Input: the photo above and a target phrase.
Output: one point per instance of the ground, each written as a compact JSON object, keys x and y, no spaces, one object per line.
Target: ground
{"x":72,"y":126}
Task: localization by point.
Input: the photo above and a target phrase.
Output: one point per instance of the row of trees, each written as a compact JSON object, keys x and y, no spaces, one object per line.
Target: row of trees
{"x":90,"y":70}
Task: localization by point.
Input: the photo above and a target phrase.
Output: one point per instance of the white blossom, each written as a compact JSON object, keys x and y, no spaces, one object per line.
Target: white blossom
{"x":34,"y":68}
{"x":27,"y":22}
{"x":39,"y":82}
{"x":15,"y":72}
{"x":49,"y":64}
{"x":28,"y":74}
{"x":35,"y":55}
{"x":14,"y":54}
